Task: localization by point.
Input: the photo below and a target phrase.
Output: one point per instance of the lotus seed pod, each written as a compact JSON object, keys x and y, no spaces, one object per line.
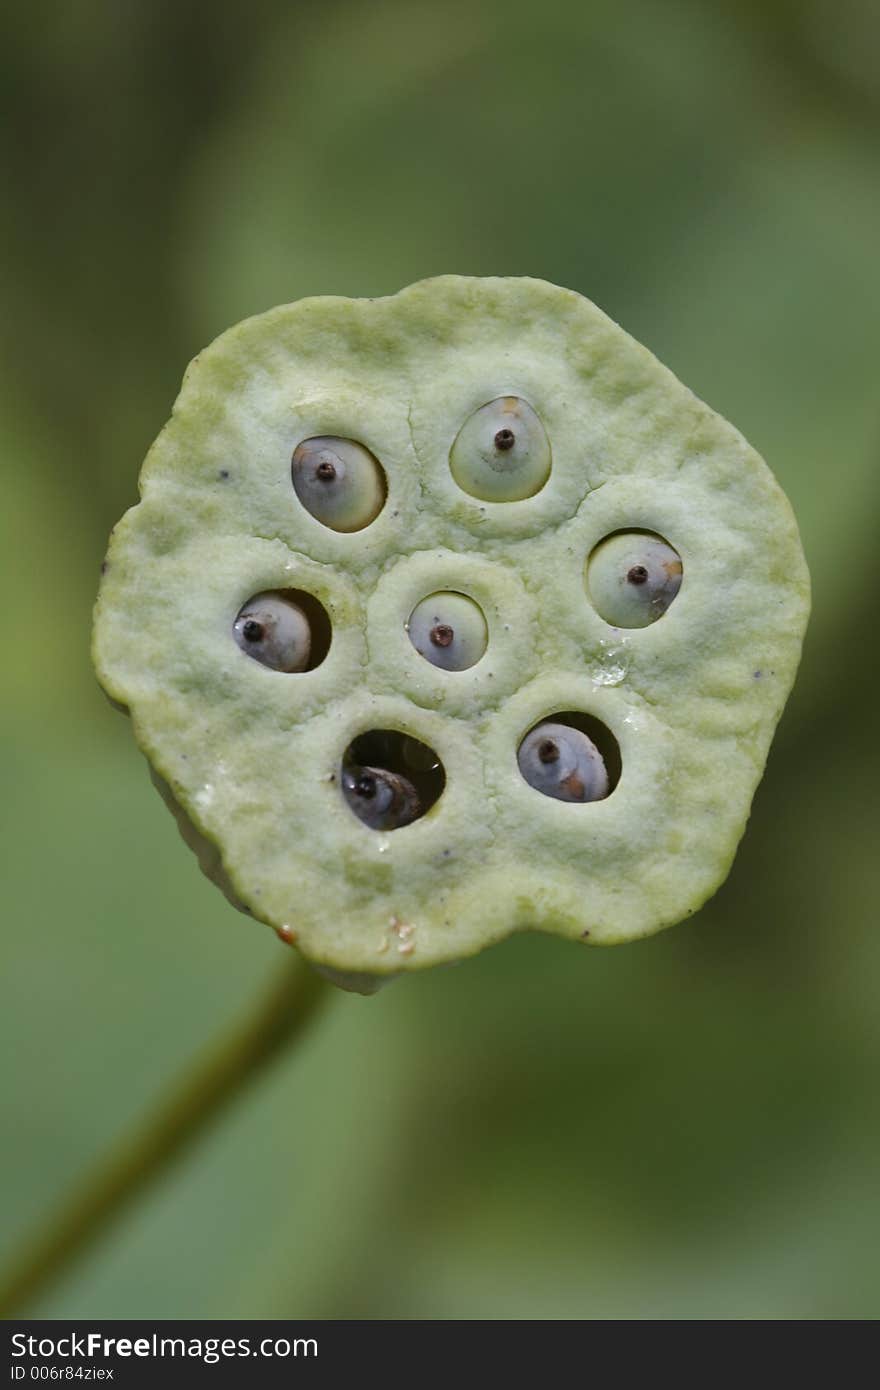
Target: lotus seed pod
{"x":501,"y":453}
{"x":632,"y":578}
{"x":275,"y":631}
{"x":339,"y":482}
{"x":449,"y":630}
{"x":382,"y":810}
{"x":561,"y":761}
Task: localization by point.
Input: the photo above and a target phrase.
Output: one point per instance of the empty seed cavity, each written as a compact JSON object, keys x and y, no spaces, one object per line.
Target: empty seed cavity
{"x":284,"y":629}
{"x":501,"y":452}
{"x":339,"y":482}
{"x":390,"y":779}
{"x":570,"y":756}
{"x":633,"y":577}
{"x":449,"y":630}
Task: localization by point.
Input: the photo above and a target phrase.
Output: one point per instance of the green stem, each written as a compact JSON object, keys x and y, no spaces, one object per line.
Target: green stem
{"x":187,"y":1112}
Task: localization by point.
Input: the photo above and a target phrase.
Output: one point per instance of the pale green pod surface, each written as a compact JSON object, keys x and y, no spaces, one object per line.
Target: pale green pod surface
{"x":380,"y":810}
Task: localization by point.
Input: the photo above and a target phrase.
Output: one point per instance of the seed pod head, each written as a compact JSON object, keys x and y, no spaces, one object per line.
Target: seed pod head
{"x":274,"y":631}
{"x":290,"y":785}
{"x":501,"y":453}
{"x":339,"y":481}
{"x":449,"y":630}
{"x":383,"y":800}
{"x":633,"y":577}
{"x":560,"y":761}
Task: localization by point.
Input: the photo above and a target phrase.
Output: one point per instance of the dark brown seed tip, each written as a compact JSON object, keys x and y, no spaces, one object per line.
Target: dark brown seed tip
{"x":548,"y":750}
{"x":252,"y":631}
{"x":366,"y":787}
{"x":637,"y":575}
{"x":505,"y":439}
{"x":325,"y":471}
{"x":442,"y":635}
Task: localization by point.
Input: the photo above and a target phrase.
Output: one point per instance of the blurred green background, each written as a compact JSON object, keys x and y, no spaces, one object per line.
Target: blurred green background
{"x":685,"y":1127}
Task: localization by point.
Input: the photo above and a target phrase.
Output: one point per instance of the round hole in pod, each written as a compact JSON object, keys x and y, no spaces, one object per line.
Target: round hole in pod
{"x":570,"y":756}
{"x":390,"y":779}
{"x":633,"y":577}
{"x":338,"y":481}
{"x":501,"y":453}
{"x":449,"y":630}
{"x":285,"y":629}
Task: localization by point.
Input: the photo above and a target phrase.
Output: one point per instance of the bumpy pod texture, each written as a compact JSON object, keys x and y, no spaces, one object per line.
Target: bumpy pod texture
{"x":257,"y":763}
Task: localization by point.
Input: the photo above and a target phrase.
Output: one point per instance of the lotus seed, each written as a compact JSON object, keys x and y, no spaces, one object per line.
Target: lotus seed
{"x":274,"y":631}
{"x":449,"y":630}
{"x":501,"y":453}
{"x":382,"y":800}
{"x":632,"y":578}
{"x":559,"y":760}
{"x":338,"y":481}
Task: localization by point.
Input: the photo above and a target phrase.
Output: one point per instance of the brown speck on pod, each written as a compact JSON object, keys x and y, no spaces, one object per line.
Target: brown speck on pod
{"x":286,"y":934}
